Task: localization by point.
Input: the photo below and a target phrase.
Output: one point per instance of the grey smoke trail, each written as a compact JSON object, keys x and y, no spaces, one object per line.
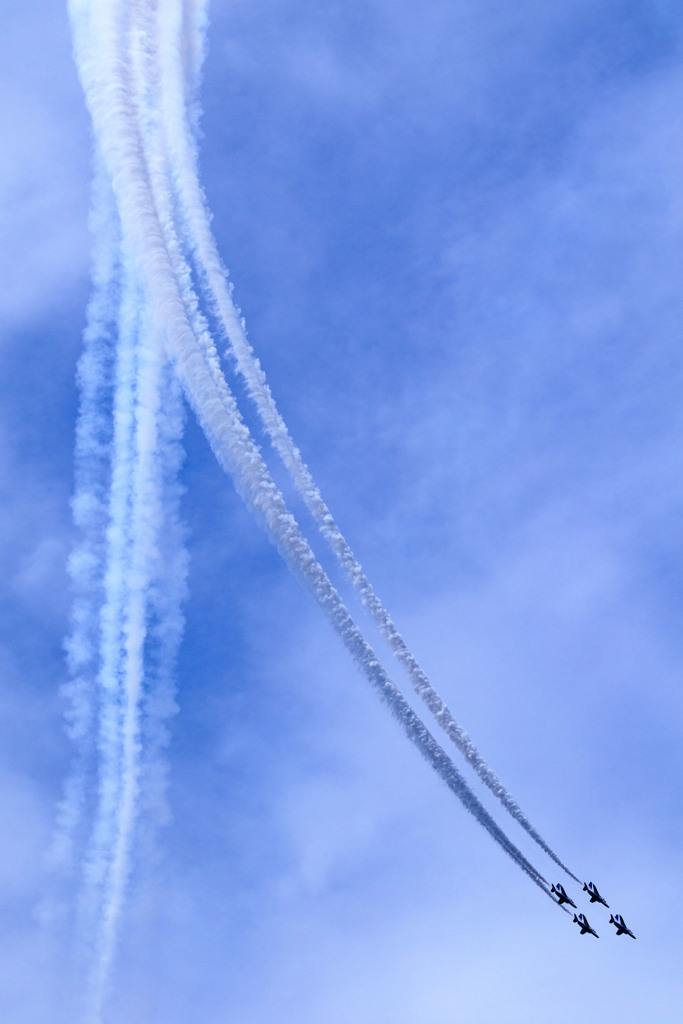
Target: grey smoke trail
{"x":184,"y":171}
{"x":107,"y":91}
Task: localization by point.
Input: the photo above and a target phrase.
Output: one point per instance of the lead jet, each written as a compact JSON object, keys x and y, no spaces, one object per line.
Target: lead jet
{"x":584,"y":925}
{"x":619,"y":923}
{"x":558,"y":890}
{"x":595,"y":896}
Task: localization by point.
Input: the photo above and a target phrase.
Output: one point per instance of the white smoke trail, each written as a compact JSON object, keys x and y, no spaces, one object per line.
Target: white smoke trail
{"x":107,"y":91}
{"x":154,"y":621}
{"x":92,"y":465}
{"x":169,"y":579}
{"x":195,"y":23}
{"x":144,"y":585}
{"x":184,"y":165}
{"x":146,"y":517}
{"x":142,"y":624}
{"x":166,"y":619}
{"x":116,"y":597}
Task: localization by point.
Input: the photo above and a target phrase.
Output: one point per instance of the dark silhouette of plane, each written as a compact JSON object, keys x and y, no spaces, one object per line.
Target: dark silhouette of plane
{"x":584,"y":925}
{"x":595,"y":896}
{"x":558,"y":890}
{"x":619,"y":923}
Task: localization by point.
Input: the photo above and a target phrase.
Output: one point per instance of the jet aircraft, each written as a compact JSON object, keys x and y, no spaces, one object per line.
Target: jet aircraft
{"x":558,"y":890}
{"x":619,"y":923}
{"x":595,"y":896}
{"x":584,"y":925}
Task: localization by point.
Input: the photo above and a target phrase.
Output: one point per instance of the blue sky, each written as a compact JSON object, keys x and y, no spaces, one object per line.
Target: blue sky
{"x":457,"y":238}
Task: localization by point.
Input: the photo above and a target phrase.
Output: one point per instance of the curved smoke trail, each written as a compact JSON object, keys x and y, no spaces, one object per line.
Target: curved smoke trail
{"x":183,"y":170}
{"x":107,"y":89}
{"x":115,"y":48}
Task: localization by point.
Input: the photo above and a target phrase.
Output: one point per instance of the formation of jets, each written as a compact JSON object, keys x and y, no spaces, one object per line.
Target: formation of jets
{"x":581,"y":919}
